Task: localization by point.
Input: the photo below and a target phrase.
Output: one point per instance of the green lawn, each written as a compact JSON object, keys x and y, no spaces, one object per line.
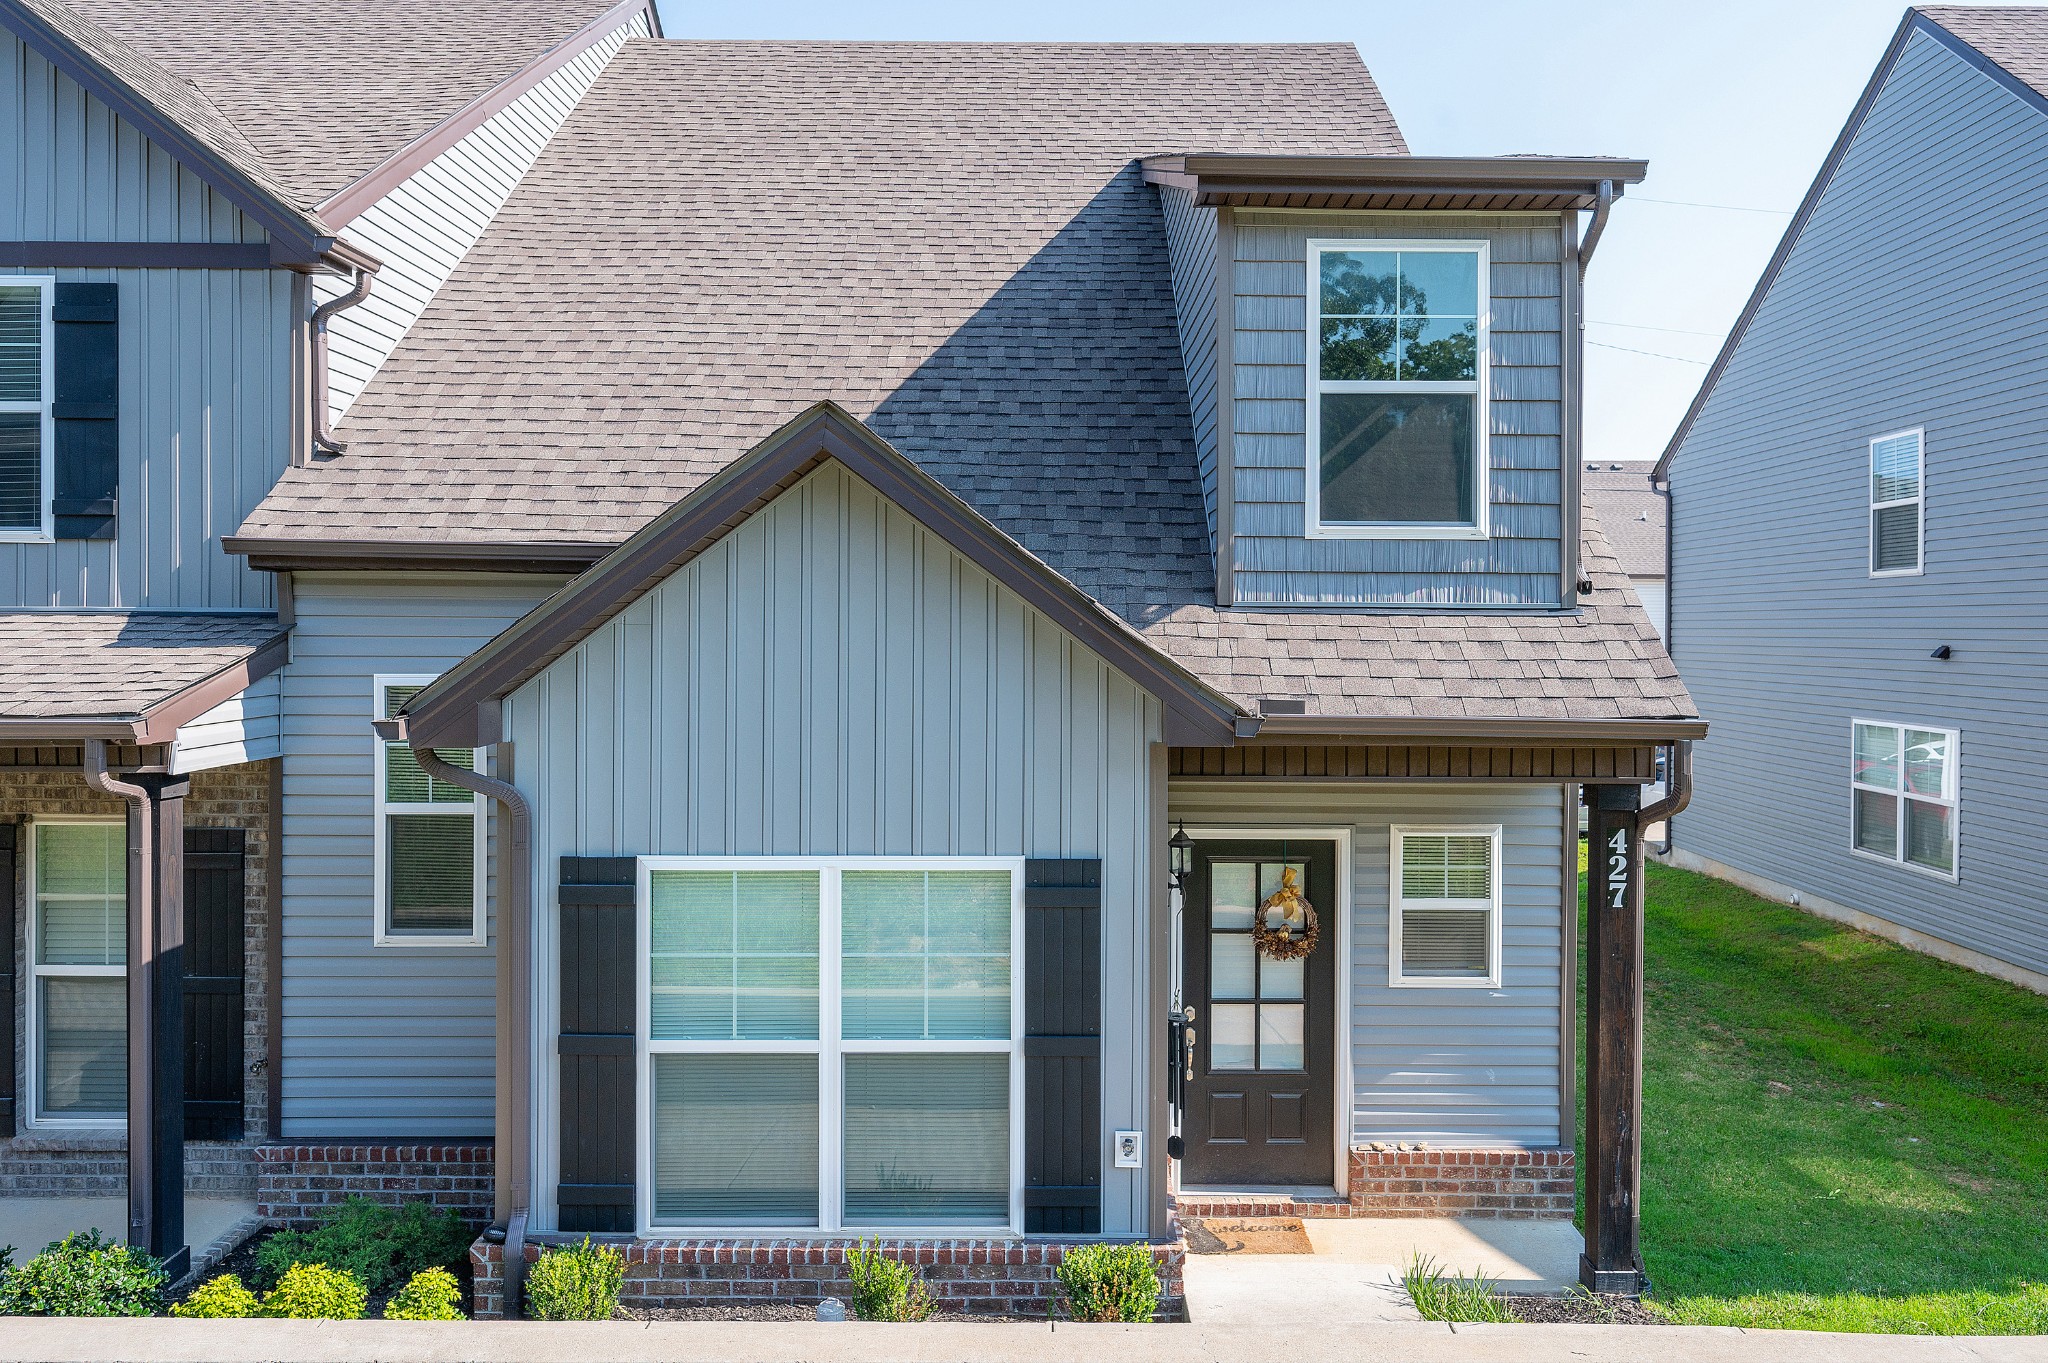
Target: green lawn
{"x":1839,"y":1134}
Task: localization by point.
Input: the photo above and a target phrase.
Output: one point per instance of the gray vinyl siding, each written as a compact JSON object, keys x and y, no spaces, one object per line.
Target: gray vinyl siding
{"x":1916,"y":296}
{"x":1520,"y":564}
{"x":378,"y":1041}
{"x":1455,"y":1067}
{"x":831,"y":678}
{"x":205,"y":358}
{"x":243,"y":728}
{"x":423,"y":228}
{"x":1191,"y":246}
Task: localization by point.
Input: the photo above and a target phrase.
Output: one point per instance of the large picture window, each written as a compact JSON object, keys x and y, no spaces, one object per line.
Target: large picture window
{"x":78,"y":949}
{"x":1903,"y":800}
{"x":1397,"y":408}
{"x":429,"y":841}
{"x":831,"y":1044}
{"x":27,"y":407}
{"x":1444,"y":922}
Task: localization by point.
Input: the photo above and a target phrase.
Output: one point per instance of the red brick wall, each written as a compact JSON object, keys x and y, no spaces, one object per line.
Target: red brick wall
{"x":1483,"y":1184}
{"x":294,"y":1182}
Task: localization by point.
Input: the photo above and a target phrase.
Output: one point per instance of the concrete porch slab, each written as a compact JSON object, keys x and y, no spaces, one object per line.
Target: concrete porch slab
{"x":1527,"y":1258}
{"x":213,"y":1225}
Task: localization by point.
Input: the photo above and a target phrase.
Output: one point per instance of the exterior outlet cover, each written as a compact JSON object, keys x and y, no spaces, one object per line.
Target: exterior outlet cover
{"x":1130,"y":1149}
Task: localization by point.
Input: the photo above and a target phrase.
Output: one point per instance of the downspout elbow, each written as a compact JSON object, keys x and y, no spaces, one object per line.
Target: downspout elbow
{"x":323,"y":438}
{"x":1603,"y":204}
{"x":1680,"y":794}
{"x":98,"y":778}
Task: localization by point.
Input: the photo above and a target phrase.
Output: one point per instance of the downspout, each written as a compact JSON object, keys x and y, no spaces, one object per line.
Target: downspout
{"x":1679,"y":795}
{"x":1602,"y":206}
{"x":323,"y":439}
{"x":1662,"y":488}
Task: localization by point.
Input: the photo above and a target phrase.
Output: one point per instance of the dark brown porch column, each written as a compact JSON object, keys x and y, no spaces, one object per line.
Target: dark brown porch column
{"x":1612,"y":1261}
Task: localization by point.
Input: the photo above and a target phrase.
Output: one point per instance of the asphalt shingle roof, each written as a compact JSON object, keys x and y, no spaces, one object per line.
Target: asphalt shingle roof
{"x":2017,"y":39}
{"x":1632,"y":514}
{"x":115,"y":664}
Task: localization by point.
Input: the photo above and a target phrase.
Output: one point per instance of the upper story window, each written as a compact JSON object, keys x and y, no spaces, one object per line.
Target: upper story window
{"x":1397,"y":409}
{"x":28,"y":435}
{"x":1896,"y":465}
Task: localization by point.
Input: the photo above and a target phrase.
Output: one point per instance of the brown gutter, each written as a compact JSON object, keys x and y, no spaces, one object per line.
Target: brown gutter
{"x":323,"y":440}
{"x":538,"y":556}
{"x":159,"y":722}
{"x":1680,"y":793}
{"x":1301,"y":728}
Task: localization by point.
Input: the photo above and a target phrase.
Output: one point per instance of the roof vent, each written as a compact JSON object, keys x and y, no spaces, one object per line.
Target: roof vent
{"x":1282,"y":705}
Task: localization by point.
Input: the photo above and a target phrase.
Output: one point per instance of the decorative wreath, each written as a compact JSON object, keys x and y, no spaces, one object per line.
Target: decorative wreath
{"x":1298,"y":932}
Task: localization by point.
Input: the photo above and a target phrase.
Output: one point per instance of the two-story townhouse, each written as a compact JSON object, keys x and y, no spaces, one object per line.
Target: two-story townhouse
{"x":1859,"y":582}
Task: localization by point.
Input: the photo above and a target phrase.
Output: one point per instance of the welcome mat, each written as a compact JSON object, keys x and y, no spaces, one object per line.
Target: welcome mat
{"x":1246,"y":1235}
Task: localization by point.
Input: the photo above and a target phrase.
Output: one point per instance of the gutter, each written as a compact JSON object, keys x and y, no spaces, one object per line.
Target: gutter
{"x":1602,"y":206}
{"x":1403,"y":730}
{"x":365,"y":271}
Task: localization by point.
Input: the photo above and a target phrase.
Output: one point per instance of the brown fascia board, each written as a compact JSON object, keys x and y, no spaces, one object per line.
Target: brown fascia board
{"x":1203,"y":173}
{"x":288,"y":555}
{"x":350,"y":202}
{"x":1350,"y":728}
{"x":157,"y":723}
{"x":460,"y":708}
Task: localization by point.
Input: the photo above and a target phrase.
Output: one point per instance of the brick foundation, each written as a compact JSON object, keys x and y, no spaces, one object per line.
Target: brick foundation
{"x":1507,"y":1184}
{"x":57,"y":1164}
{"x":294,"y":1182}
{"x":999,"y":1277}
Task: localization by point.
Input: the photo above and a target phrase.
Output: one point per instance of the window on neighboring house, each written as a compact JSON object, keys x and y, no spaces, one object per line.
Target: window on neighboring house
{"x":832,"y":1044}
{"x":1895,"y":503}
{"x":1445,"y":919}
{"x":1397,"y":408}
{"x":78,"y":930}
{"x":27,"y":400}
{"x":429,"y":841}
{"x":1903,"y":794}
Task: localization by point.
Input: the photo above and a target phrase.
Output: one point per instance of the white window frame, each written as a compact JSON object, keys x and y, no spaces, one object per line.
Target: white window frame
{"x":829,"y":1046}
{"x":1315,"y":527}
{"x":46,"y":286}
{"x":1951,"y":798}
{"x":1918,"y":501}
{"x":32,"y":1109}
{"x":380,"y":839}
{"x":1397,"y":904}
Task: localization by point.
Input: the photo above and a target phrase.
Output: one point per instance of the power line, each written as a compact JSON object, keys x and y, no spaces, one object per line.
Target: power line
{"x":1725,"y":208}
{"x":1644,"y":326}
{"x":1682,"y":359}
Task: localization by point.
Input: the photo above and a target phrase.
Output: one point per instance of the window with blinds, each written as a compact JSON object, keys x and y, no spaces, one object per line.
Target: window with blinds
{"x":1903,"y":784}
{"x":1444,"y":921}
{"x":1896,"y":503}
{"x":78,"y":948}
{"x":428,"y":858}
{"x":27,"y":416}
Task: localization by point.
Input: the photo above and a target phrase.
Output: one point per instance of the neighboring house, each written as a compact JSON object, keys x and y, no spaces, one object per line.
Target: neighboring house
{"x":1631,"y":511}
{"x":1859,"y":579}
{"x":806,"y":553}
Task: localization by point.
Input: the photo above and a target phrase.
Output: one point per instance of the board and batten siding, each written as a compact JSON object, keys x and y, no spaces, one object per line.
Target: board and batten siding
{"x":424,"y":227}
{"x":1520,"y":565}
{"x":1455,"y":1067}
{"x":378,"y":1041}
{"x":205,"y":355}
{"x":1191,"y":246}
{"x":832,"y":678}
{"x":1783,"y":635}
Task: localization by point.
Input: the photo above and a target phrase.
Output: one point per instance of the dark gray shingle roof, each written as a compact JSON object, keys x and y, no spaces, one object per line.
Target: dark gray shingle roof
{"x":1632,"y":514}
{"x":115,"y":664}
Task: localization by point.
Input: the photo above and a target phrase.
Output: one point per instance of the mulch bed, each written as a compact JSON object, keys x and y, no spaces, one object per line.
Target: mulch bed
{"x":241,"y":1262}
{"x":1581,"y":1308}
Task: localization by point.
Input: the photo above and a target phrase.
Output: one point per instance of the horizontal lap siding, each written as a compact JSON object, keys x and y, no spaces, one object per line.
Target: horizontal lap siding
{"x":1782,"y":634}
{"x":1520,"y":564}
{"x":1191,"y":245}
{"x":1450,"y":1066}
{"x":831,"y":678}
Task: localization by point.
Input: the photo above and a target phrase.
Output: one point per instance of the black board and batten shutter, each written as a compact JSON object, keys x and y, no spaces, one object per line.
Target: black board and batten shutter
{"x":599,"y":974}
{"x":1063,"y":1136}
{"x":215,"y":882}
{"x":9,"y":926}
{"x":86,"y":410}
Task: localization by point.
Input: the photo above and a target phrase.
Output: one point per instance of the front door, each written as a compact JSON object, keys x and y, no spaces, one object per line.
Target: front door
{"x":1259,"y":1108}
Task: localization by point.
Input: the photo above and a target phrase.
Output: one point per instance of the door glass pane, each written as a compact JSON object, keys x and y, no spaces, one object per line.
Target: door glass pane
{"x":1930,"y":836}
{"x":1231,"y":890}
{"x":1271,"y":876}
{"x":432,"y":873}
{"x":927,"y":1140}
{"x":85,"y":1047}
{"x":1232,"y":966}
{"x":1444,"y":942}
{"x":927,"y":954}
{"x":1877,"y":823}
{"x":1233,"y":1036}
{"x":1925,"y":763}
{"x":736,"y":1140}
{"x":81,"y":893}
{"x":1282,"y":979}
{"x":1877,"y":756}
{"x":1280,"y":1037}
{"x":735,"y":955}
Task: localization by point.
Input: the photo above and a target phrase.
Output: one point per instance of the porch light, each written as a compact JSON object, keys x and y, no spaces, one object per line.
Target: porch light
{"x":1182,"y":861}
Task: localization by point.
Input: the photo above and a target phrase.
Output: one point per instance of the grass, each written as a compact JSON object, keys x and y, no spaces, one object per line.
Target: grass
{"x":1440,"y":1295}
{"x":1839,"y":1134}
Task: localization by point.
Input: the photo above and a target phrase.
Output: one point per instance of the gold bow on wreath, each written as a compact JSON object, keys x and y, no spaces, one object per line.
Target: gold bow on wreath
{"x":1298,"y":932}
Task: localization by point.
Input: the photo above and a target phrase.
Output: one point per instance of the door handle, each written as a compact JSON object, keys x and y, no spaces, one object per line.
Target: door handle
{"x":1188,"y":1038}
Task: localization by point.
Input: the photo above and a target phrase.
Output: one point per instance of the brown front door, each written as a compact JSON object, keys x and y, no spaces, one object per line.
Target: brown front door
{"x":1259,"y":1109}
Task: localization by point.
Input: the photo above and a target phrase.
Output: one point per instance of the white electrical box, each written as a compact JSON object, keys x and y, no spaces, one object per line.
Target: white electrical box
{"x":1130,"y":1149}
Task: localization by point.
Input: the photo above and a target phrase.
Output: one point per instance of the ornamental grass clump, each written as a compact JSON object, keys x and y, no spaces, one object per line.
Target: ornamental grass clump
{"x":1442,"y":1295}
{"x":82,"y":1275}
{"x":575,"y":1282}
{"x":221,"y":1298}
{"x":316,"y":1292}
{"x":886,"y":1288}
{"x":1109,"y":1283}
{"x":431,"y":1294}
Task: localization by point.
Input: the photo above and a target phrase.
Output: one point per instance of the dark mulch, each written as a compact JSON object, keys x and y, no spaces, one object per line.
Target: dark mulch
{"x":794,"y":1311}
{"x":1583,"y":1308}
{"x":242,"y":1263}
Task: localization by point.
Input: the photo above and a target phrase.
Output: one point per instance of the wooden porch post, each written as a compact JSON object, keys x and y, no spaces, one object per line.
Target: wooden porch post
{"x":156,"y":1019}
{"x":1612,"y":1261}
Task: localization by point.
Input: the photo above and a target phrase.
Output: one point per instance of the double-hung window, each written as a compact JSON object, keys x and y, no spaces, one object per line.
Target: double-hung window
{"x":831,"y":1044}
{"x":1897,"y":462}
{"x":428,"y":860}
{"x":78,"y":952}
{"x":1444,"y":922}
{"x":28,"y":436}
{"x":1397,"y":402}
{"x":1902,"y":792}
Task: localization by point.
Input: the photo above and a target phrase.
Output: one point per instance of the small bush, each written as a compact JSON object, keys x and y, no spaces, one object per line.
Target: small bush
{"x":316,"y":1292}
{"x":885,"y":1288}
{"x":431,"y":1294}
{"x":1441,"y":1295}
{"x":1109,"y":1283}
{"x":575,"y":1282}
{"x":383,"y":1246}
{"x":222,"y":1298}
{"x":82,"y":1275}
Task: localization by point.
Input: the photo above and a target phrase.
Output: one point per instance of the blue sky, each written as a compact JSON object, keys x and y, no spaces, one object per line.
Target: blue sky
{"x":1732,"y":103}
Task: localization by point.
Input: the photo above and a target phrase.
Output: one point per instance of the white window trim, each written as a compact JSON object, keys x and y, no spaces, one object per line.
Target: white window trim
{"x":1951,"y":798}
{"x":32,"y":1109}
{"x":380,"y":839}
{"x":46,"y":285}
{"x":1397,"y":905}
{"x":831,"y":1077}
{"x":1918,"y":501}
{"x":1314,"y":526}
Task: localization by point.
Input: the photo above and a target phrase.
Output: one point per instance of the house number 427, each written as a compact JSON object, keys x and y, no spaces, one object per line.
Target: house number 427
{"x":1617,"y":868}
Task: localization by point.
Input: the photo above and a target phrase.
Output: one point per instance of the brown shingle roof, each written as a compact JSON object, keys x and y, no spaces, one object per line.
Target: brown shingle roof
{"x":2017,"y":39}
{"x":115,"y":664}
{"x":1631,"y":512}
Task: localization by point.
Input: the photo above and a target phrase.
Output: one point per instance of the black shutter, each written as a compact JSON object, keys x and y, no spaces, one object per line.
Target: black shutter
{"x":599,"y":971}
{"x":215,"y":862}
{"x":8,"y":927}
{"x":88,"y":365}
{"x":1063,"y":1047}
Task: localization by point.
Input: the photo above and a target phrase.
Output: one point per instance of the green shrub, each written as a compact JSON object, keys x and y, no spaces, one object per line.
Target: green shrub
{"x":316,"y":1292}
{"x":1441,"y":1295}
{"x":82,"y":1275}
{"x":383,"y":1246}
{"x":432,"y":1294}
{"x":222,"y":1298}
{"x":885,"y":1288}
{"x":575,"y":1282}
{"x":1109,"y":1282}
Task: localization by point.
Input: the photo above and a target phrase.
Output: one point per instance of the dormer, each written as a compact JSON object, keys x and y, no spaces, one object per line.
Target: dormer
{"x":1383,"y":360}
